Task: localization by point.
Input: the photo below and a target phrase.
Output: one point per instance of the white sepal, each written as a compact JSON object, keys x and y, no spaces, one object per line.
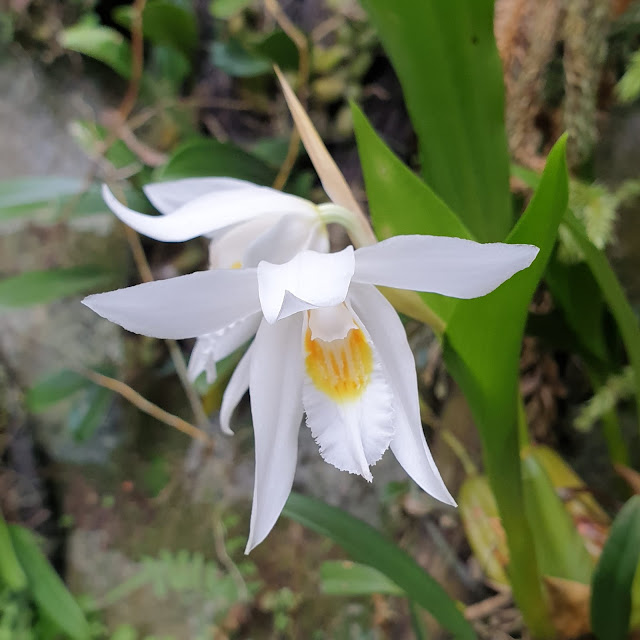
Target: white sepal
{"x":408,"y":443}
{"x":308,"y":281}
{"x":210,"y":212}
{"x":275,"y":381}
{"x":183,"y":307}
{"x":450,"y":266}
{"x":169,"y":196}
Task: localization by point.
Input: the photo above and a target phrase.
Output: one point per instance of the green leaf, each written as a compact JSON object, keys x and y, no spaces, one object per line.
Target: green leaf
{"x":47,"y":590}
{"x":482,"y":351}
{"x":25,"y":194}
{"x":238,"y":61}
{"x":39,"y":287}
{"x":54,"y":388}
{"x":367,"y":546}
{"x":203,"y":157}
{"x":88,"y":412}
{"x":343,"y":578}
{"x":613,"y":576}
{"x":613,"y":294}
{"x":401,"y":203}
{"x":102,"y":43}
{"x":164,"y":23}
{"x":279,"y":49}
{"x":559,"y":548}
{"x":11,"y":573}
{"x":606,"y":278}
{"x":577,"y":293}
{"x":446,"y":59}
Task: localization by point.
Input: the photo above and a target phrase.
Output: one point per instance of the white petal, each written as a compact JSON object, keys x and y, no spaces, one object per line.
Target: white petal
{"x":451,"y":266}
{"x":408,"y":444}
{"x":282,"y":241}
{"x":228,"y":250}
{"x":213,"y":347}
{"x":308,"y":281}
{"x":236,"y":388}
{"x":330,"y":175}
{"x":352,"y":432}
{"x":168,"y":196}
{"x":276,"y":406}
{"x":184,"y":307}
{"x":209,"y":212}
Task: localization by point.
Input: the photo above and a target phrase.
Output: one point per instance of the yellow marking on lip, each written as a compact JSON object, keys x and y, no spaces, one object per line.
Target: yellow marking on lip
{"x":341,"y":369}
{"x":236,"y":265}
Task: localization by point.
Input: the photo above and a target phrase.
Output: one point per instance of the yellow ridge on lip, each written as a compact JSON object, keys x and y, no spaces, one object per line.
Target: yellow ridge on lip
{"x":341,"y":369}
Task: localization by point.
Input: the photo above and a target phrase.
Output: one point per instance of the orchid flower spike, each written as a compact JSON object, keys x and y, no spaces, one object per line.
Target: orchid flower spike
{"x":246,"y":223}
{"x":328,"y":345}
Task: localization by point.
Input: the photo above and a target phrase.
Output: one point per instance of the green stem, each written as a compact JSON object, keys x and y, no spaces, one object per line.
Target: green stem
{"x":416,"y":622}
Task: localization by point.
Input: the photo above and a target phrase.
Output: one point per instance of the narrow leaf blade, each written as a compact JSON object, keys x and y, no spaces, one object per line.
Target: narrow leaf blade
{"x":367,"y":546}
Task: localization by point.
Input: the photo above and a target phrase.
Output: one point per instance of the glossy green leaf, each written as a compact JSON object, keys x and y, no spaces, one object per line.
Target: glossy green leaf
{"x":367,"y":546}
{"x":400,"y":202}
{"x":614,"y":574}
{"x":54,"y":388}
{"x":446,"y":59}
{"x":102,"y":43}
{"x":344,"y":578}
{"x":46,"y":587}
{"x":11,"y":573}
{"x":205,"y":157}
{"x":279,"y":49}
{"x":39,"y":287}
{"x":164,"y":23}
{"x":482,"y":351}
{"x":559,"y":548}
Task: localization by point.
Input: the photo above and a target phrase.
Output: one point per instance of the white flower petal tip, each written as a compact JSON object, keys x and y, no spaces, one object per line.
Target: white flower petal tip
{"x":210,"y":211}
{"x":437,"y":264}
{"x":310,"y":280}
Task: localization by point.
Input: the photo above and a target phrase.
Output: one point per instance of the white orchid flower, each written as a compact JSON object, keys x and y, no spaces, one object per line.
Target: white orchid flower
{"x":328,"y":345}
{"x":246,"y":223}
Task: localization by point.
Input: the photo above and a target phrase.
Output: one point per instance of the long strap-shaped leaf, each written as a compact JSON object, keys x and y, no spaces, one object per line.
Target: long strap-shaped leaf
{"x":446,"y":59}
{"x":613,"y":577}
{"x":366,"y":545}
{"x":482,"y":350}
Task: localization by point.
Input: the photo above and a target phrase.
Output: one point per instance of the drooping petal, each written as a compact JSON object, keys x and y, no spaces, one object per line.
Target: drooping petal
{"x":276,"y":406}
{"x":236,"y":388}
{"x":213,"y":347}
{"x":333,"y":181}
{"x":283,"y":240}
{"x":451,"y":266}
{"x":348,"y":402}
{"x":388,"y":335}
{"x":210,"y":212}
{"x":307,"y":281}
{"x":183,"y":307}
{"x":169,"y":196}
